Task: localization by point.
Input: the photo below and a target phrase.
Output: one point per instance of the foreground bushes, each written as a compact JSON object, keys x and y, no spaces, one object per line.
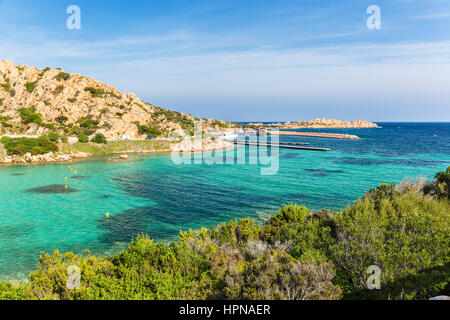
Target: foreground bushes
{"x":440,"y":187}
{"x":407,"y":237}
{"x":297,"y":254}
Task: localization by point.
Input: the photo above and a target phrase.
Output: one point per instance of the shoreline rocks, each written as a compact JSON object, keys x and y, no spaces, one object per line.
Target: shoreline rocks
{"x":28,"y":158}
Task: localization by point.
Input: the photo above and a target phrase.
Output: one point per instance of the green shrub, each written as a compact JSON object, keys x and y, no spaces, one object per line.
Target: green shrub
{"x":150,"y":131}
{"x":61,"y":120}
{"x":74,"y":130}
{"x":64,"y":139}
{"x":99,"y":138}
{"x":53,"y":136}
{"x":58,"y":90}
{"x":440,"y":187}
{"x":50,"y":280}
{"x":6,"y":87}
{"x":14,"y":291}
{"x":29,"y":115}
{"x":36,"y":150}
{"x":278,"y":276}
{"x":72,"y":100}
{"x":95,"y":92}
{"x":88,"y":124}
{"x":62,"y":76}
{"x":30,"y":86}
{"x":83,"y":138}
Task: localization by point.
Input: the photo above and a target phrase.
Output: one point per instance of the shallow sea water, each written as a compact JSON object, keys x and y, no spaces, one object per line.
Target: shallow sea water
{"x":153,"y":195}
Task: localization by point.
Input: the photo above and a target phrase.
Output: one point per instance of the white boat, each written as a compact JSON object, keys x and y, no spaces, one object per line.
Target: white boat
{"x":229,"y":136}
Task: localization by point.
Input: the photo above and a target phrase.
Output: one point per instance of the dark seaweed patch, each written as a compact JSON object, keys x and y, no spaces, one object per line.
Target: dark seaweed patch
{"x":400,"y":162}
{"x":126,"y":225}
{"x":52,"y":189}
{"x":13,"y":232}
{"x":78,"y":177}
{"x":290,"y":155}
{"x":104,"y":196}
{"x":323,"y":172}
{"x":18,"y":174}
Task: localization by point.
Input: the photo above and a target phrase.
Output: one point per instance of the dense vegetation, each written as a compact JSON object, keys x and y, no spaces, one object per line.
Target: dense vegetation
{"x":297,"y":254}
{"x":35,"y":146}
{"x":148,"y":130}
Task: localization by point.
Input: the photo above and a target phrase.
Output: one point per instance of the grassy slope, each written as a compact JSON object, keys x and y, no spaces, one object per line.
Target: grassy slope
{"x":116,"y":147}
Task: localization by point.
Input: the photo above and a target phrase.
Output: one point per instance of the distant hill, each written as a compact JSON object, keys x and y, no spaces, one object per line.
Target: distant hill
{"x":34,"y":102}
{"x":319,"y":123}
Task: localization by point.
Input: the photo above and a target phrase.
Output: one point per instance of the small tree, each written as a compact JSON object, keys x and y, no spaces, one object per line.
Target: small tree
{"x":30,"y":86}
{"x":83,"y":138}
{"x":53,"y":136}
{"x":64,"y":139}
{"x":99,"y":138}
{"x":37,"y":150}
{"x":61,"y":120}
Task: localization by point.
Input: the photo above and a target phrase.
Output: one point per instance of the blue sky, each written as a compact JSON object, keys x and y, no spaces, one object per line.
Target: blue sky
{"x":249,"y":60}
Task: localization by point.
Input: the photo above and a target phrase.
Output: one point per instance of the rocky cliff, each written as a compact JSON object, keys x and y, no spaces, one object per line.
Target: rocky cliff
{"x":33,"y":102}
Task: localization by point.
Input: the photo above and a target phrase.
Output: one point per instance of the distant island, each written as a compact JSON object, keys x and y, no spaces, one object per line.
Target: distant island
{"x":318,"y":124}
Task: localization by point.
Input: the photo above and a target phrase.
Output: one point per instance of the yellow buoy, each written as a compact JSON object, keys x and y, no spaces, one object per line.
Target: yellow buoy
{"x":66,"y":187}
{"x":75,"y":172}
{"x":68,"y":167}
{"x":107,"y":215}
{"x":65,"y":178}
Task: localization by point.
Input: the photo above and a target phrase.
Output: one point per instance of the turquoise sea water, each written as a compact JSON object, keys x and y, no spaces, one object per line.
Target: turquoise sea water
{"x":153,"y":195}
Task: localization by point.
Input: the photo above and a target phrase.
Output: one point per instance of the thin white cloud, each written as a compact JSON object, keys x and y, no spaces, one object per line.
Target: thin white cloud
{"x":186,"y":64}
{"x":431,"y":16}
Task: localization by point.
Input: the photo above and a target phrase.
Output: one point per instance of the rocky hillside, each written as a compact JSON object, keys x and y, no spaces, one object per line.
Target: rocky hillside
{"x":34,"y":102}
